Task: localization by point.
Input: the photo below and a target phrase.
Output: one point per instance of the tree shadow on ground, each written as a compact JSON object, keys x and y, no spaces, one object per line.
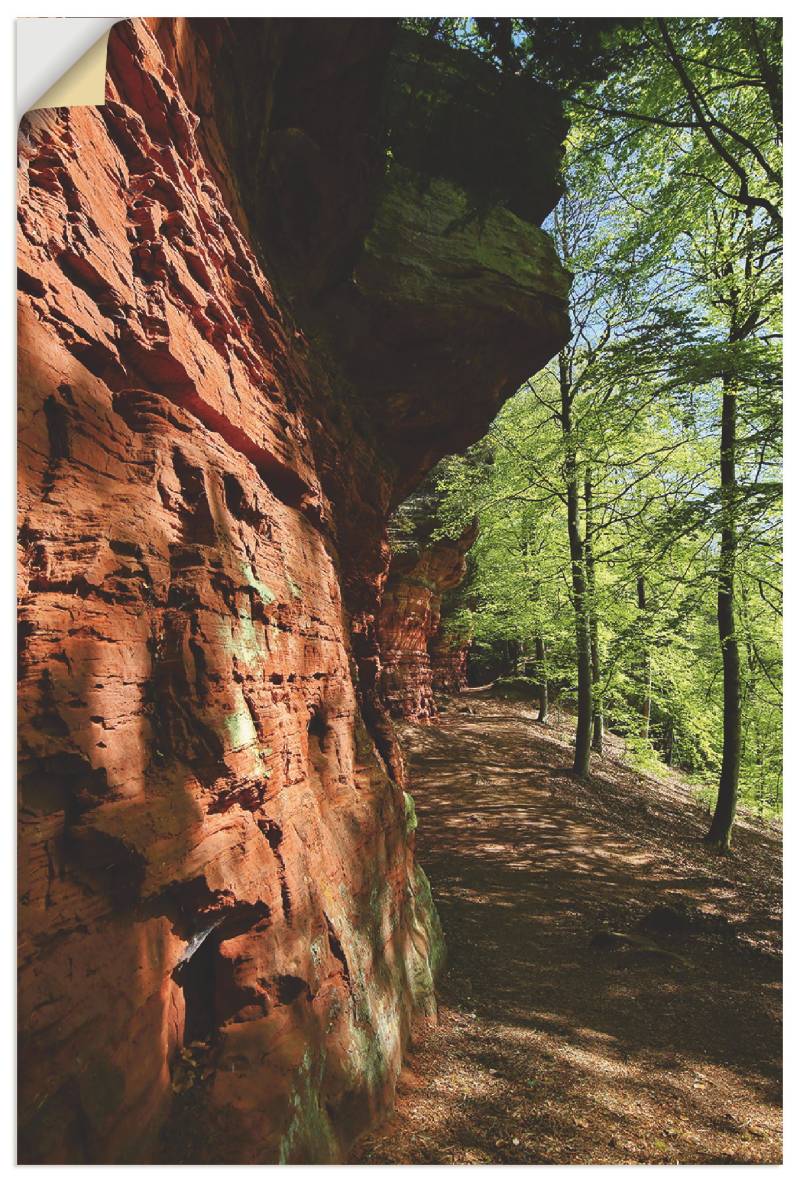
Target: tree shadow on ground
{"x":550,"y":1049}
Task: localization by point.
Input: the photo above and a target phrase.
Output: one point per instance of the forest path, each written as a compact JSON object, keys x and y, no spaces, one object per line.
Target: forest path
{"x":550,"y":1048}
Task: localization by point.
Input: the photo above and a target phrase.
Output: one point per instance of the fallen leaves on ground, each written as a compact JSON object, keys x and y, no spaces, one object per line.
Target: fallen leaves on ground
{"x":658,"y":1048}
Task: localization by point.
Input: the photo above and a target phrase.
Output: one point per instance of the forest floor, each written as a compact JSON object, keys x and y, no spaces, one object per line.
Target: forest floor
{"x":559,"y":1041}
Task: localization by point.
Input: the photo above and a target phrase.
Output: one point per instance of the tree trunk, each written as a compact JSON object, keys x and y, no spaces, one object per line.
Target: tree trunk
{"x":541,"y":672}
{"x":583,"y":730}
{"x":591,"y":585}
{"x":648,"y":664}
{"x":719,"y":833}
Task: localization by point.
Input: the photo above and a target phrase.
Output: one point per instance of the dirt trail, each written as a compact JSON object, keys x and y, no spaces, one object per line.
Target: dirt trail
{"x":552,"y":1046}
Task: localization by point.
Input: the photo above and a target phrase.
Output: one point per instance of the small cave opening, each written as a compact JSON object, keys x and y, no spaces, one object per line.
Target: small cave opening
{"x":290,"y":988}
{"x":316,"y":727}
{"x":320,"y":764}
{"x":234,"y":496}
{"x":238,"y":503}
{"x":210,"y":993}
{"x":197,"y":978}
{"x":197,"y":521}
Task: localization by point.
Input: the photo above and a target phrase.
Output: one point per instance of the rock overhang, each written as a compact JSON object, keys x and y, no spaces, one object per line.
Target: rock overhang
{"x":223,"y":390}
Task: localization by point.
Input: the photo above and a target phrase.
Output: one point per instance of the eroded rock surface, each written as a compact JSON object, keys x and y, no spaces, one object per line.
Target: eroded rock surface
{"x":244,"y":334}
{"x":449,"y":653}
{"x":418,"y":656}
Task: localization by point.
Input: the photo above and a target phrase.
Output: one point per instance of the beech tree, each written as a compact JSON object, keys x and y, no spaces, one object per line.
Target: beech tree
{"x":642,"y":467}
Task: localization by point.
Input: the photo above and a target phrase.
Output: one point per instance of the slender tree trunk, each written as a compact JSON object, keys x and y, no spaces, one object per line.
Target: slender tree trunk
{"x":539,"y":650}
{"x":719,"y":834}
{"x":641,"y":595}
{"x":591,"y":586}
{"x":541,"y":672}
{"x":583,"y":731}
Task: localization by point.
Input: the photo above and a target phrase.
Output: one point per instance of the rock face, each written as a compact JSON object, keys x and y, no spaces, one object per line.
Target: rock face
{"x":448,"y":663}
{"x":418,"y":656}
{"x":245,"y":333}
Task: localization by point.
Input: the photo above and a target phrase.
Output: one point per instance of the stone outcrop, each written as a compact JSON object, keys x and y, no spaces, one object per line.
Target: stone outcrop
{"x":249,"y":322}
{"x":449,"y":654}
{"x":417,"y":654}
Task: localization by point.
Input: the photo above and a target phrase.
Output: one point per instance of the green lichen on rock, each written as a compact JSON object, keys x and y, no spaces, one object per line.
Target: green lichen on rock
{"x":426,"y":248}
{"x":246,"y":644}
{"x":267,"y":596}
{"x":309,"y":1137}
{"x":427,"y":918}
{"x":240,"y":729}
{"x":364,"y":745}
{"x":411,"y":813}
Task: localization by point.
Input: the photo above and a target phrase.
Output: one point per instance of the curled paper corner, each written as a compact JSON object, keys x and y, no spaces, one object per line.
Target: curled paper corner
{"x":83,"y":84}
{"x":61,"y":61}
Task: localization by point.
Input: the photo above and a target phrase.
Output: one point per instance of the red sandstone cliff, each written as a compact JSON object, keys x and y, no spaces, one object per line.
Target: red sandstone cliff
{"x":244,"y":336}
{"x":449,"y":655}
{"x":417,"y":657}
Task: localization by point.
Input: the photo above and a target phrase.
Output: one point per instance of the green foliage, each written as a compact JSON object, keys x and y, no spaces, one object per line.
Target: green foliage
{"x":565,"y":51}
{"x":671,"y":227}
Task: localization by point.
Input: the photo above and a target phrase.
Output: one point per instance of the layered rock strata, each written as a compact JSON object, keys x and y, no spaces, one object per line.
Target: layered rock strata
{"x":417,"y":654}
{"x":449,"y":655}
{"x":247,"y":327}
